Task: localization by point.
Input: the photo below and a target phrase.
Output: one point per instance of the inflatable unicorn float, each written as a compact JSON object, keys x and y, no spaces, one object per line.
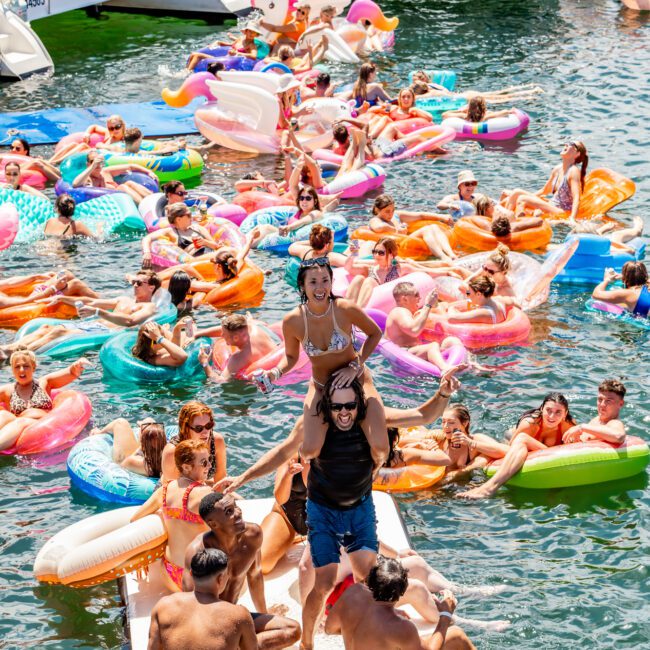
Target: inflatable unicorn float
{"x":365,"y":28}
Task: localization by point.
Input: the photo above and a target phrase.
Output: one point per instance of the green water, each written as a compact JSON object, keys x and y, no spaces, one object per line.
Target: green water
{"x":575,"y":562}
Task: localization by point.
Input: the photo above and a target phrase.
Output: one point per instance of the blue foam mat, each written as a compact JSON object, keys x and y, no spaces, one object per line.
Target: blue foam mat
{"x":49,"y":126}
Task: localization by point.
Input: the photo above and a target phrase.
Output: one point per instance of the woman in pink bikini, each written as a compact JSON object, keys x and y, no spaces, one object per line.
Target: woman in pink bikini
{"x":178,"y":502}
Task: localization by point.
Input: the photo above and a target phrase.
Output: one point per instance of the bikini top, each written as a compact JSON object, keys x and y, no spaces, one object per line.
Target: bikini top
{"x":393,"y":273}
{"x":38,"y":399}
{"x":184,"y":242}
{"x":338,"y":342}
{"x":183,"y":514}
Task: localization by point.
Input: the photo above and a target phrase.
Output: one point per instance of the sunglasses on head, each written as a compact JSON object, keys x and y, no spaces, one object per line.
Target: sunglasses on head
{"x":150,"y":424}
{"x":339,"y":406}
{"x":203,"y":427}
{"x":315,"y":261}
{"x":181,"y":193}
{"x":378,"y":251}
{"x":115,"y":127}
{"x":305,"y":197}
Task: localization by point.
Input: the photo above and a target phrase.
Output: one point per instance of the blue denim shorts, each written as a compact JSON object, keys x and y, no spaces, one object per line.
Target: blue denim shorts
{"x":329,"y":530}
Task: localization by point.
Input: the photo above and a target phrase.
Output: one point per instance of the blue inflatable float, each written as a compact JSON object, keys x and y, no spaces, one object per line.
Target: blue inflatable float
{"x":594,"y":254}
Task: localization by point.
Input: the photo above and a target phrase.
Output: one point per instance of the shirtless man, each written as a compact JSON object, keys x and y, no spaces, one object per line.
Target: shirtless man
{"x":251,"y":340}
{"x":405,"y":323}
{"x":199,"y":619}
{"x":366,"y":616}
{"x":242,"y":542}
{"x":123,"y":311}
{"x":605,"y":426}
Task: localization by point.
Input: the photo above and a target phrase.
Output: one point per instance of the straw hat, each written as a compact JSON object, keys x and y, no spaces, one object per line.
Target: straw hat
{"x":466,"y":176}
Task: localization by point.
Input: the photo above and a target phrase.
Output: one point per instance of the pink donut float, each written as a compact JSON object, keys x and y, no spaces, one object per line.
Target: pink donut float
{"x":77,"y":138}
{"x":9,"y":224}
{"x":496,"y":128}
{"x":513,"y":330}
{"x":356,"y":183}
{"x":253,"y":200}
{"x":69,"y":415}
{"x":33,"y":177}
{"x":234,"y":213}
{"x":221,"y":353}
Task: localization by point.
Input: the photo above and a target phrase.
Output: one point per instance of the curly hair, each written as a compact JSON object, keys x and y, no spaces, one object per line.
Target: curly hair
{"x":324,"y":406}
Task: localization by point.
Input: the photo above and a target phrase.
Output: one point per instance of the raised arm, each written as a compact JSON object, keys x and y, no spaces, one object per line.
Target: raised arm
{"x":62,"y":378}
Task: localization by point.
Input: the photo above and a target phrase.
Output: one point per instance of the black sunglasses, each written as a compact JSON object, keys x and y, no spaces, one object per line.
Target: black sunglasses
{"x":181,"y":193}
{"x":377,"y":251}
{"x":339,"y":406}
{"x":205,"y":462}
{"x":306,"y":197}
{"x":149,"y":424}
{"x":315,"y":261}
{"x":138,"y":283}
{"x":116,"y":127}
{"x":18,"y":148}
{"x":203,"y":427}
{"x":490,"y":271}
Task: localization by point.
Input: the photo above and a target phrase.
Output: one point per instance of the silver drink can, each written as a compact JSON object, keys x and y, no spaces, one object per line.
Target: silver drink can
{"x":262,"y":382}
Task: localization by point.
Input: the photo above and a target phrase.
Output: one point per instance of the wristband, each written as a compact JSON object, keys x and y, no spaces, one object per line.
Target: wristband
{"x":160,"y":339}
{"x":443,"y":395}
{"x":277,"y":373}
{"x":449,"y":615}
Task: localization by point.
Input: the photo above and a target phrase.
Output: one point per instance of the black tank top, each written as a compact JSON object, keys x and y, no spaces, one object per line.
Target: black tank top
{"x":295,"y":507}
{"x":341,"y":476}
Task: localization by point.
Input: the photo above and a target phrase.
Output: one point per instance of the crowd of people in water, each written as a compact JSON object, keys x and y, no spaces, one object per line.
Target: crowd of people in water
{"x":325,"y":467}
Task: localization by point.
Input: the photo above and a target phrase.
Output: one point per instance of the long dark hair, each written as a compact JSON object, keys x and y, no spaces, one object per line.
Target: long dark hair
{"x":536,"y":414}
{"x":582,"y":160}
{"x":313,"y":193}
{"x":360,"y":88}
{"x":228,"y":263}
{"x":324,"y":407}
{"x":394,"y":454}
{"x":300,"y":281}
{"x":179,"y":286}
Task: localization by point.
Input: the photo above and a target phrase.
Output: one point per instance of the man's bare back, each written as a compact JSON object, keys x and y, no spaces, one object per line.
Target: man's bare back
{"x":197,"y":621}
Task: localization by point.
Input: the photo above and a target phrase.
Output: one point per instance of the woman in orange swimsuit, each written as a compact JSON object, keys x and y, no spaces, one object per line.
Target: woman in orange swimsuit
{"x":178,"y":502}
{"x":537,"y":429}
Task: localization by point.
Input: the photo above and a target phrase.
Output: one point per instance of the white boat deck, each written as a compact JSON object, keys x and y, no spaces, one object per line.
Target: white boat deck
{"x":281,"y":586}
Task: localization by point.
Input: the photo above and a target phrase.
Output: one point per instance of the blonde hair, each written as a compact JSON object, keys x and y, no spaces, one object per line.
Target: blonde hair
{"x":499,"y":256}
{"x":27,"y":354}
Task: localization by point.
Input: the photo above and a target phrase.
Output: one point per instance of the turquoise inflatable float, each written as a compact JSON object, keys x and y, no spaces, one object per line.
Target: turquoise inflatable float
{"x":118,"y":362}
{"x":108,"y":214}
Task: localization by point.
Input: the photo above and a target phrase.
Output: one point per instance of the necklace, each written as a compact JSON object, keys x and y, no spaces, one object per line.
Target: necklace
{"x":311,"y":313}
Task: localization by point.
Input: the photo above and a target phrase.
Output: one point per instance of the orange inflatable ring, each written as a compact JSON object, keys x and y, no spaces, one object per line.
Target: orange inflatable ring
{"x":411,"y":477}
{"x":468,"y":233}
{"x":514,"y":329}
{"x":101,"y":548}
{"x":406,"y":246}
{"x":244,"y":288}
{"x":15,"y":317}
